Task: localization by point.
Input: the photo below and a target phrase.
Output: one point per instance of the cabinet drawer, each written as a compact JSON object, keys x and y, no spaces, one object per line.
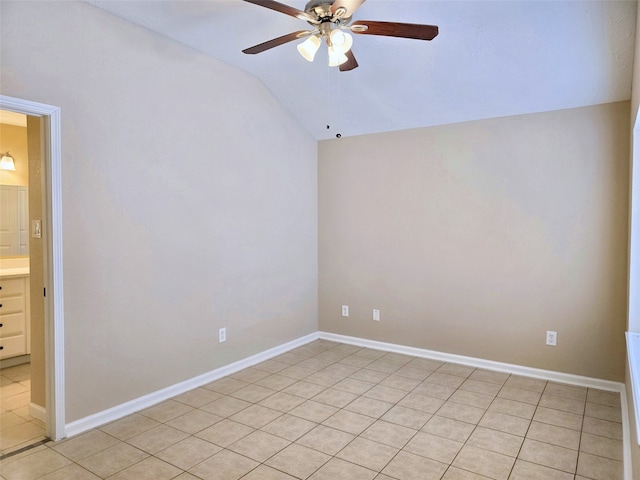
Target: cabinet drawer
{"x":11,"y":287}
{"x":12,"y":325}
{"x":12,"y":346}
{"x":11,"y":305}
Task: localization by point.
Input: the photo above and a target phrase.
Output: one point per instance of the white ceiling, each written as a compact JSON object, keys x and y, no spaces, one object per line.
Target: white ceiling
{"x":491,"y":58}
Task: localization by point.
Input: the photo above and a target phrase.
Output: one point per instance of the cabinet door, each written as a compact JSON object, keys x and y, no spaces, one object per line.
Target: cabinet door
{"x":9,"y":230}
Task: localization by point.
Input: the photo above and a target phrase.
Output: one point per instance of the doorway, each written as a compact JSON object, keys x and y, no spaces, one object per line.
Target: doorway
{"x":50,"y":230}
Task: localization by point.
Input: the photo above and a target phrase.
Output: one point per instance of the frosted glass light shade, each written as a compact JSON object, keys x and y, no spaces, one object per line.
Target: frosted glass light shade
{"x":341,"y":41}
{"x":336,"y":57}
{"x":6,"y":162}
{"x":309,"y":47}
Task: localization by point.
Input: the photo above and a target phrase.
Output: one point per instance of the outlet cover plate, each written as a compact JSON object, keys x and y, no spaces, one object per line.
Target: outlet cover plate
{"x":552,"y":338}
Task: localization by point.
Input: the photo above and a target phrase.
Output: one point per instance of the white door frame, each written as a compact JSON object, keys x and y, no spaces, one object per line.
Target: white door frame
{"x":54,"y":304}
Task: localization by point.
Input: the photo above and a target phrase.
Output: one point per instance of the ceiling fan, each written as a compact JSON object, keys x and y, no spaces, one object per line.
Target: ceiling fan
{"x":331,"y":22}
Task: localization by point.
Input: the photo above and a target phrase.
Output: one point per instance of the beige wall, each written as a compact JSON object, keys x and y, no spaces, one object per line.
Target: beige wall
{"x":36,"y":265}
{"x":13,"y":138}
{"x":476,"y":238}
{"x":189,"y":202}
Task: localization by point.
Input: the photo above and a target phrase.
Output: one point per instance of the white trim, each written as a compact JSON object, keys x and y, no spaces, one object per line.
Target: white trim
{"x":54,"y":326}
{"x":140,"y":403}
{"x":38,"y":412}
{"x":633,"y":359}
{"x":478,"y":363}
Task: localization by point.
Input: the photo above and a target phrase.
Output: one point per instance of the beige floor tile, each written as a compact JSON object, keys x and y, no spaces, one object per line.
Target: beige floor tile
{"x":520,"y":395}
{"x":356,"y":361}
{"x":282,"y":402}
{"x":406,"y":379}
{"x":370,"y":374}
{"x":526,"y":383}
{"x":601,"y":446}
{"x":86,"y":444}
{"x":255,"y":416}
{"x":326,"y":439}
{"x":407,"y":466}
{"x":385,"y":394}
{"x":448,"y":428}
{"x":435,"y":390}
{"x":369,"y":406}
{"x":71,"y":472}
{"x":33,"y":466}
{"x":129,"y":426}
{"x":188,"y":452}
{"x":165,"y":411}
{"x":463,"y":413}
{"x":253,"y":393}
{"x":479,"y":400}
{"x":341,"y":369}
{"x":445,"y":379}
{"x":225,"y":433}
{"x":505,"y":423}
{"x":477,"y":386}
{"x":272,"y":366}
{"x":335,"y":398}
{"x":313,"y":411}
{"x":20,"y":434}
{"x":336,"y":469}
{"x":113,"y":459}
{"x":483,"y":462}
{"x":224,"y":465}
{"x":264,"y":472}
{"x":603,"y":412}
{"x":304,"y":389}
{"x":611,"y":399}
{"x":558,"y":418}
{"x":389,"y":433}
{"x":523,"y":470}
{"x":564,"y":404}
{"x":425,"y":363}
{"x":12,"y":389}
{"x":353,"y":385}
{"x":563,"y":437}
{"x":350,"y":422}
{"x":276,"y":382}
{"x":289,"y":427}
{"x":549,"y":455}
{"x":225,"y":385}
{"x":194,"y":421}
{"x":325,"y":378}
{"x":495,"y":441}
{"x":259,"y":446}
{"x":16,"y":401}
{"x":433,"y":447}
{"x":567,"y":391}
{"x":455,"y":473}
{"x":599,"y":468}
{"x":489,"y":376}
{"x":297,"y":372}
{"x":424,"y":403}
{"x":456,"y":369}
{"x":10,"y":419}
{"x":407,"y":417}
{"x":198,"y":397}
{"x":511,"y":407}
{"x":298,"y":461}
{"x":602,"y":428}
{"x":158,"y":438}
{"x":225,"y":406}
{"x":368,"y":454}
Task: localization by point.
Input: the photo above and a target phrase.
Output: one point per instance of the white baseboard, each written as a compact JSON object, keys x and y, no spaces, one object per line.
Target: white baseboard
{"x":551,"y":375}
{"x":38,"y":412}
{"x":101,"y":418}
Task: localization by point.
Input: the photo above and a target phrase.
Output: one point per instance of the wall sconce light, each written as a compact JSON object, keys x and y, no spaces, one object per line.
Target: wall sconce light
{"x":6,"y":162}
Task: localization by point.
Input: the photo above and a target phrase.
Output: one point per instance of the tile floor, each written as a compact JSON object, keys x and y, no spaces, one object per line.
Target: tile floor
{"x":328,"y":411}
{"x":17,"y":427}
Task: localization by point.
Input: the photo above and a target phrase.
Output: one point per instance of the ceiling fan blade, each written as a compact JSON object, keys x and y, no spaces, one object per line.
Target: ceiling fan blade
{"x":349,"y":5}
{"x":282,"y":8}
{"x":395,"y":29}
{"x":350,"y":64}
{"x":290,"y":37}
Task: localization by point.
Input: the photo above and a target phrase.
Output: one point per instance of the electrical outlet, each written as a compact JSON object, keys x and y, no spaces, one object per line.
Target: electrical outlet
{"x":552,"y":338}
{"x":222,"y":335}
{"x":345,"y":310}
{"x":376,"y":315}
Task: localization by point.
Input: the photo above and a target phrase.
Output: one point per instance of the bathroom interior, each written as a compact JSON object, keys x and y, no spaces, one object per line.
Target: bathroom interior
{"x":22,"y":294}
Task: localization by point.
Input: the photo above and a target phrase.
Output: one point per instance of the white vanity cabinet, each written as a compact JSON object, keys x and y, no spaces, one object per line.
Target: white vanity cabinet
{"x":14,"y":316}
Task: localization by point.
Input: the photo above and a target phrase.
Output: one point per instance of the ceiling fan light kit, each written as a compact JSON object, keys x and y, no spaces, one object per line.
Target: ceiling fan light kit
{"x":330,"y":19}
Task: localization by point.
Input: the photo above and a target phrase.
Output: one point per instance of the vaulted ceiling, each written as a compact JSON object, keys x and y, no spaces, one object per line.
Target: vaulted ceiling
{"x":490,"y":59}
